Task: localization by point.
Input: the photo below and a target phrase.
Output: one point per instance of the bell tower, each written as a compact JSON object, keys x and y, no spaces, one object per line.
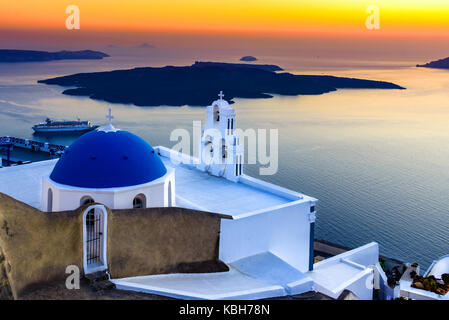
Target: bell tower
{"x":220,"y":151}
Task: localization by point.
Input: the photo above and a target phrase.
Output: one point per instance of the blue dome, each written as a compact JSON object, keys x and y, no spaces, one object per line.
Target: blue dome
{"x":100,"y":159}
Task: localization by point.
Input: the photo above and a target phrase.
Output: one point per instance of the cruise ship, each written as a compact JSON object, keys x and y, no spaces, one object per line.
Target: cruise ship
{"x":64,"y":126}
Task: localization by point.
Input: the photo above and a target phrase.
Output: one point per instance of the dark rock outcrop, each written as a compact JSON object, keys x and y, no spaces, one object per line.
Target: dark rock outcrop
{"x":266,"y":67}
{"x":248,"y":58}
{"x":7,"y":55}
{"x":438,"y":64}
{"x":198,"y":85}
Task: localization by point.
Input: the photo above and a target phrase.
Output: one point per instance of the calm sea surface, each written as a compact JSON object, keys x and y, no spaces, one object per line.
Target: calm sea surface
{"x":377,"y":160}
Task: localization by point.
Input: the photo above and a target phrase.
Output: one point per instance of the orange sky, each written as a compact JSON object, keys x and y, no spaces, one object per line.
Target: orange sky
{"x":277,"y":17}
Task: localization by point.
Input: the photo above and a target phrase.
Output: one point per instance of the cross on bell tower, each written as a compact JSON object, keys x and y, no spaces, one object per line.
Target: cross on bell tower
{"x":220,"y":151}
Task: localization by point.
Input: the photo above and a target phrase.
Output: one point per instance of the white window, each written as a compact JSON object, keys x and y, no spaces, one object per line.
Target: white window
{"x":140,"y":201}
{"x":86,"y":200}
{"x":170,"y":201}
{"x":50,"y":200}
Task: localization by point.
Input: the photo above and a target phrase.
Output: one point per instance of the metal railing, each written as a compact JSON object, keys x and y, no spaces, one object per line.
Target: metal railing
{"x":31,"y":143}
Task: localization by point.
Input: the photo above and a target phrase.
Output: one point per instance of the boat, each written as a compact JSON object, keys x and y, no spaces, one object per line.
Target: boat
{"x":64,"y":126}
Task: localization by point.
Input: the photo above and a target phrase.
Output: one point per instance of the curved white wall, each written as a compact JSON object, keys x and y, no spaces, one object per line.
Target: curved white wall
{"x":68,"y":198}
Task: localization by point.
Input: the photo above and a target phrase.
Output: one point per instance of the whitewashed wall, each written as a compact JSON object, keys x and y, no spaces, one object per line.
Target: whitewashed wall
{"x":68,"y":198}
{"x":284,"y":232}
{"x":331,"y":280}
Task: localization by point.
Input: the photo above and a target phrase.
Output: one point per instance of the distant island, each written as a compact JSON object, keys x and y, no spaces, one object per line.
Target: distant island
{"x":438,"y":64}
{"x":266,"y":67}
{"x":248,"y":58}
{"x":146,"y":46}
{"x":198,"y":84}
{"x":7,"y":55}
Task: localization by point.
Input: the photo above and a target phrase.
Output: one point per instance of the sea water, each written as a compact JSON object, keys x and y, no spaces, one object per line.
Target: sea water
{"x":377,"y":160}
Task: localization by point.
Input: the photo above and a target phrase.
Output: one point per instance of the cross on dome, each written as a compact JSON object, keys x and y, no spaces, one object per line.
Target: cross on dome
{"x":221,"y":95}
{"x":110,"y":116}
{"x":109,"y":127}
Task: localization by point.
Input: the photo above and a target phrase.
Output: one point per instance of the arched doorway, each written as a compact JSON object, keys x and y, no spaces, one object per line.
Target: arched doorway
{"x":50,"y":200}
{"x":140,"y":201}
{"x":94,"y":238}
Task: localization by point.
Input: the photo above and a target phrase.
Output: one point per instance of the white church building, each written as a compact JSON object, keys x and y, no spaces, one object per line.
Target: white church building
{"x":267,"y":242}
{"x":93,"y":170}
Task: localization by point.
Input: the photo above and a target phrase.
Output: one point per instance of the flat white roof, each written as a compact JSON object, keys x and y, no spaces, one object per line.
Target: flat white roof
{"x":24,"y":182}
{"x":194,"y":189}
{"x":216,"y":194}
{"x":335,"y":274}
{"x":255,"y":277}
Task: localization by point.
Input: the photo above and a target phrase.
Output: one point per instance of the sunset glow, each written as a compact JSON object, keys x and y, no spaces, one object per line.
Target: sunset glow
{"x":399,"y":17}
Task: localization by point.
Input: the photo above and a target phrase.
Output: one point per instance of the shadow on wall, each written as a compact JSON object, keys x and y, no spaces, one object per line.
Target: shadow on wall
{"x":36,"y":247}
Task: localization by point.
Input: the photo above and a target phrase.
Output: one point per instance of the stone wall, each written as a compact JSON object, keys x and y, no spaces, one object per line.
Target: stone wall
{"x":156,"y":240}
{"x":5,"y":288}
{"x":38,"y":246}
